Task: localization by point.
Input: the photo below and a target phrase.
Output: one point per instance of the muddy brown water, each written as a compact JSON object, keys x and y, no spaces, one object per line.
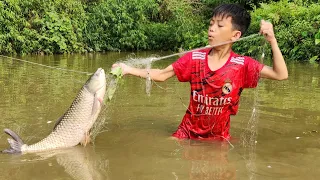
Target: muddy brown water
{"x":134,"y":144}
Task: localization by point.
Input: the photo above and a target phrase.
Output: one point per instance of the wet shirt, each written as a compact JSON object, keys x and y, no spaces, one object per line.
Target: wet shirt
{"x":214,"y":94}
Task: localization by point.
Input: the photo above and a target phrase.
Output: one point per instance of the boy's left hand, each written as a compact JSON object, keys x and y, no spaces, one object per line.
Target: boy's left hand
{"x":266,"y":28}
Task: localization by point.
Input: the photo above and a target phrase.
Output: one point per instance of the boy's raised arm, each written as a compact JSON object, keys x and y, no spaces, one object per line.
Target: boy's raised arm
{"x":154,"y":74}
{"x":279,"y":70}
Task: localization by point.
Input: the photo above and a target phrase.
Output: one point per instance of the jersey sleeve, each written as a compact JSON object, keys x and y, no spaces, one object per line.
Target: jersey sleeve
{"x":182,"y":68}
{"x":252,"y":72}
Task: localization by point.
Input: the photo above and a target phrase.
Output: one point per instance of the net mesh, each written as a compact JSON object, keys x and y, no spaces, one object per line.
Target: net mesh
{"x":248,"y":137}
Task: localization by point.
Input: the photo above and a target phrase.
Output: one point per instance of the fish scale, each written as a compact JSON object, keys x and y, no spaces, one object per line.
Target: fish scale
{"x":76,"y":122}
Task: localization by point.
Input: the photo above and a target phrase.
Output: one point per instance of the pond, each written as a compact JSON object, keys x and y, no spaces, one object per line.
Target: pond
{"x":275,"y":134}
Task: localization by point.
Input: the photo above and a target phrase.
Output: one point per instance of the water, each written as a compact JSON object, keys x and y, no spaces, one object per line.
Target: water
{"x":134,"y":143}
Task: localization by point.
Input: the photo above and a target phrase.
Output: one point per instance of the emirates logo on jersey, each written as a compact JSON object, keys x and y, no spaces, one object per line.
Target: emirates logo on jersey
{"x":227,"y":87}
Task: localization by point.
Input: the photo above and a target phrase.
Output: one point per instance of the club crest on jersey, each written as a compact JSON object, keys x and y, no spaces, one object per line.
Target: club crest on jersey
{"x":227,"y":87}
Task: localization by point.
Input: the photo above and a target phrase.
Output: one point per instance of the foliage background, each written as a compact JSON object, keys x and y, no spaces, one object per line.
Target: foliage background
{"x":73,"y":26}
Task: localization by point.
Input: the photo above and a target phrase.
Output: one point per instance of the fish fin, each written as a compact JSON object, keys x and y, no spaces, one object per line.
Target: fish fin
{"x":95,"y":106}
{"x":15,"y":143}
{"x":86,"y":139}
{"x":58,"y":122}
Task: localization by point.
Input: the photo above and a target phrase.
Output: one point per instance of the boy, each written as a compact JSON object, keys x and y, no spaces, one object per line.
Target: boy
{"x":217,"y":75}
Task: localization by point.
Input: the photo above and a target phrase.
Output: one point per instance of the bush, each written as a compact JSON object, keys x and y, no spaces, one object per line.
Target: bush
{"x":185,"y":24}
{"x":295,"y":24}
{"x":118,"y":25}
{"x":67,"y":26}
{"x":36,"y":27}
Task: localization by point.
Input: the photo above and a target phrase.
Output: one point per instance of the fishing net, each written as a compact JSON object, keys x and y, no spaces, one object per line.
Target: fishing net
{"x":248,"y":137}
{"x":146,"y":64}
{"x":112,"y":81}
{"x":100,"y":124}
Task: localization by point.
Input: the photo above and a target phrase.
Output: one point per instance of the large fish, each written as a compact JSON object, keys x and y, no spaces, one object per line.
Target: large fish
{"x":74,"y":126}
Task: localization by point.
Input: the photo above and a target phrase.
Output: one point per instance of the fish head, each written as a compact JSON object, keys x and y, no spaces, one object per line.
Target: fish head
{"x":97,"y":83}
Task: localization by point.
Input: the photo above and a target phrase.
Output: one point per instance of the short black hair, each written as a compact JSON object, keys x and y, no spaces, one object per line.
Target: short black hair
{"x":241,"y":19}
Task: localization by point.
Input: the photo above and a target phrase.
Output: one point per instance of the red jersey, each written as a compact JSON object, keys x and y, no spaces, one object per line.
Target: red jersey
{"x":214,"y":94}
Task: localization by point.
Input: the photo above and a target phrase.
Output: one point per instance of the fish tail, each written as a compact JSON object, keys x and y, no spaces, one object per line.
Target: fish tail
{"x":15,"y":143}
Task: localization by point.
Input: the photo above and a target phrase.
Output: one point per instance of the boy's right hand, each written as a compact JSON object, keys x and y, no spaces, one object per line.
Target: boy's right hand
{"x":266,"y":28}
{"x":125,"y":68}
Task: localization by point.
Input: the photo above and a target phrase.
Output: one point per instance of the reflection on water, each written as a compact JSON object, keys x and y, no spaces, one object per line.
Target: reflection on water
{"x":134,"y":140}
{"x":80,"y":165}
{"x":77,"y":163}
{"x":209,"y":160}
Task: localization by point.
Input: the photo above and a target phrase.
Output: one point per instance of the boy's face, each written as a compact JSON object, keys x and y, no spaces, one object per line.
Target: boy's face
{"x":221,"y":30}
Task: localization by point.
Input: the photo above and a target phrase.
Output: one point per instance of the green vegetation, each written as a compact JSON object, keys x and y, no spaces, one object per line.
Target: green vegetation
{"x":73,"y":26}
{"x":317,"y":37}
{"x":296,"y":25}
